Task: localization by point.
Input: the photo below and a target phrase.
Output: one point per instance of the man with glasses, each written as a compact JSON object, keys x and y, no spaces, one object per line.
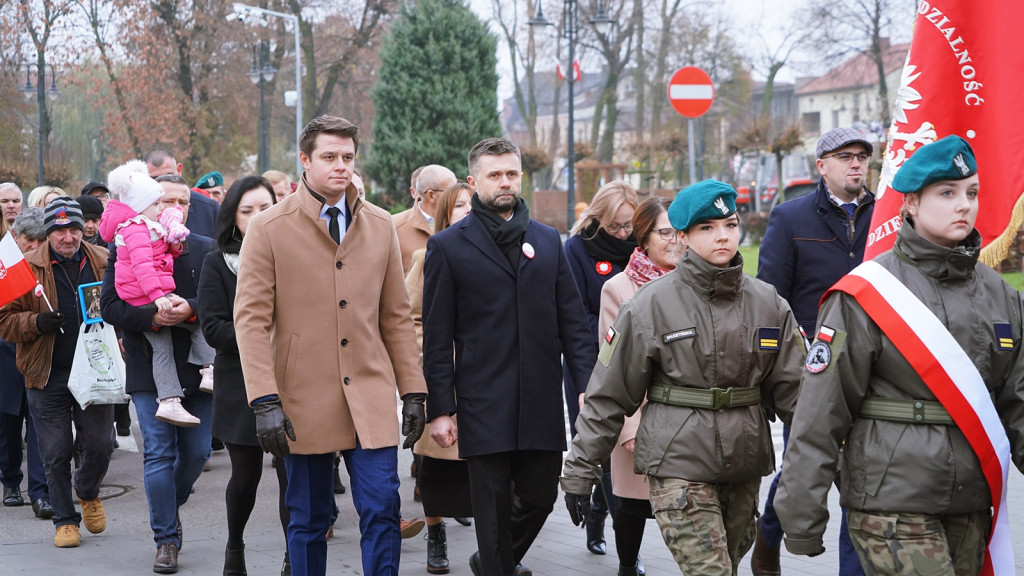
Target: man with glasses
{"x":416,"y":224}
{"x":811,"y":243}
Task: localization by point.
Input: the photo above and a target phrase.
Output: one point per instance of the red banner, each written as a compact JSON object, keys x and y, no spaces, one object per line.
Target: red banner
{"x":962,"y":76}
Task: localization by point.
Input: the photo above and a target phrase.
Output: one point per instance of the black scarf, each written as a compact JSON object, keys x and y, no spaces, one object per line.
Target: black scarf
{"x":603,"y":246}
{"x":507,"y":234}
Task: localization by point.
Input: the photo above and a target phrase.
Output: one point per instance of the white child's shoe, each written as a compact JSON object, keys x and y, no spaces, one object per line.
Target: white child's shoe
{"x":206,"y":385}
{"x":171,"y":411}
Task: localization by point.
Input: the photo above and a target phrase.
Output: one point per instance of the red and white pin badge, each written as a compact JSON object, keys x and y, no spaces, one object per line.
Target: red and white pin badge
{"x":528,"y":250}
{"x":603,"y":267}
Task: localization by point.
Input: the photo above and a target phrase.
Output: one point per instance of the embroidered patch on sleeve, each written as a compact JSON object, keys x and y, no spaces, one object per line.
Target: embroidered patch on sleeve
{"x":1004,"y":335}
{"x":825,"y":334}
{"x":768,"y":338}
{"x":819,"y":357}
{"x":611,"y":340}
{"x":679,"y":335}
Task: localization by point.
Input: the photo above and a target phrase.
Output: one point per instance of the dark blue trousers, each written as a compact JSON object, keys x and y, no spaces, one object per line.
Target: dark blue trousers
{"x":12,"y":455}
{"x":310,"y":501}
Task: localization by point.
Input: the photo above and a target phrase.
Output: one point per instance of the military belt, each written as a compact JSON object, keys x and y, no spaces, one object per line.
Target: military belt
{"x":707,"y":398}
{"x":906,"y":411}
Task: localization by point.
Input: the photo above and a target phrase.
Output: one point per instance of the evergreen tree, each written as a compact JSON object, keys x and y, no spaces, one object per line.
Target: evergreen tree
{"x":436,"y":94}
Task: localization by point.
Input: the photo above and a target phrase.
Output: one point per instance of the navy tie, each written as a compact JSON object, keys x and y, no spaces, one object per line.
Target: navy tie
{"x":850,"y":208}
{"x":332,"y":224}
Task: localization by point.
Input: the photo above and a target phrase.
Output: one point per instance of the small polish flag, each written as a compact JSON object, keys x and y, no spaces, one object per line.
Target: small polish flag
{"x":825,"y":334}
{"x":576,"y":70}
{"x":16,"y":277}
{"x":558,"y":69}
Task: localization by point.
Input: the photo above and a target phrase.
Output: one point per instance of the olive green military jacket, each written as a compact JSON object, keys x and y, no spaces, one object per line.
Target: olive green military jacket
{"x":702,"y":327}
{"x":890,"y":466}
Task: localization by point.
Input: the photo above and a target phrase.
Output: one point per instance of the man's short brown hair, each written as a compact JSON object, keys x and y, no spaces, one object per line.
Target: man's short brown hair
{"x":491,"y":147}
{"x":333,"y":125}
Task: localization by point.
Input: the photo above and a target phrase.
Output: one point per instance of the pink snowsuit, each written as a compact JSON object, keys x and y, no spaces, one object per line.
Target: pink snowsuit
{"x":145,"y":260}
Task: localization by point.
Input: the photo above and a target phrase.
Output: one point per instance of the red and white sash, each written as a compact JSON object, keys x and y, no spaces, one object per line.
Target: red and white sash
{"x":954,"y":380}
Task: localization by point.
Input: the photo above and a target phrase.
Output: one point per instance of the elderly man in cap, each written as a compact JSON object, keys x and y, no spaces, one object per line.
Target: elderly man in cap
{"x":97,"y":190}
{"x":810,"y":243}
{"x":46,"y":341}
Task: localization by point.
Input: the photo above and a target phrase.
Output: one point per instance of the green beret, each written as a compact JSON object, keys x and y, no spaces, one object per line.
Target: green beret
{"x":210,"y":180}
{"x":950,"y":158}
{"x":700,"y":202}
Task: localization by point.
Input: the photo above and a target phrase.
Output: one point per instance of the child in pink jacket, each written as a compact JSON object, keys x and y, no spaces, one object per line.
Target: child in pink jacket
{"x":148,"y":239}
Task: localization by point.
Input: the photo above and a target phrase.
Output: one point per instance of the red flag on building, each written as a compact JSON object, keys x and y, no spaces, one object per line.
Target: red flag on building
{"x":16,"y":277}
{"x":962,"y":76}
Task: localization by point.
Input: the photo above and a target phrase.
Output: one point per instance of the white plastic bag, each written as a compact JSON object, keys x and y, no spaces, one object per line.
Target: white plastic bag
{"x":97,"y":372}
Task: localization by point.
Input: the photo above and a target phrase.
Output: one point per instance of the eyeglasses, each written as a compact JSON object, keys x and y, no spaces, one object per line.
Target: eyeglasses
{"x":847,"y":157}
{"x":665,"y":233}
{"x":615,"y":227}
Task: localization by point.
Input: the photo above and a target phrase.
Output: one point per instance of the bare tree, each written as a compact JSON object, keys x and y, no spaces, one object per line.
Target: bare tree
{"x":841,"y":30}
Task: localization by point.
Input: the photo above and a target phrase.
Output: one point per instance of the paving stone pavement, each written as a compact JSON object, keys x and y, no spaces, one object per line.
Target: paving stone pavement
{"x":126,"y":547}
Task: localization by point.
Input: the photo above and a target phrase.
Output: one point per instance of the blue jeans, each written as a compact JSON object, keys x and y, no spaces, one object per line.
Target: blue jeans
{"x":771,"y":529}
{"x":53,"y":410}
{"x":172,"y":459}
{"x":12,"y":455}
{"x":310,"y":501}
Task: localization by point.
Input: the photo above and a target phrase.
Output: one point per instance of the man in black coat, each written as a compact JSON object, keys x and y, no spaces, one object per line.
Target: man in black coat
{"x":498,"y":289}
{"x":173,"y":456}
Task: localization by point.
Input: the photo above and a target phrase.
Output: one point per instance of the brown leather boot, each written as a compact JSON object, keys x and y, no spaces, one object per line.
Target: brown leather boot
{"x":765,"y":559}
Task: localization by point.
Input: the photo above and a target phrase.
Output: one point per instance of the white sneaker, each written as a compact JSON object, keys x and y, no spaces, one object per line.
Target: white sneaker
{"x":172,"y":412}
{"x":206,"y":385}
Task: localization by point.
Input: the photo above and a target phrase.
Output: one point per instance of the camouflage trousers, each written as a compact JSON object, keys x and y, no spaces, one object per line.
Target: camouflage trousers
{"x":707,"y":527}
{"x":920,"y":544}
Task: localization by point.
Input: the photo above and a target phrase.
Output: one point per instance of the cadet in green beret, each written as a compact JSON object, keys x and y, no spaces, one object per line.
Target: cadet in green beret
{"x":211,"y":184}
{"x":876,"y":385}
{"x":709,"y":347}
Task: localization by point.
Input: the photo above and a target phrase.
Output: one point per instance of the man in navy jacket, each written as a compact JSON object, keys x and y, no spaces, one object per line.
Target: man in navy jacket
{"x":811,"y":243}
{"x":173,"y":456}
{"x":498,"y":290}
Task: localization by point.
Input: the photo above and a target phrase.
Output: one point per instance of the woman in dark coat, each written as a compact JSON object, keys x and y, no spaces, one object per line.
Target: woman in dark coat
{"x":598,"y":248}
{"x":233,"y":420}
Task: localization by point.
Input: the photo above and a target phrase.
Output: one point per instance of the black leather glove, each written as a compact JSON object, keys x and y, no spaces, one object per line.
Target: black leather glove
{"x":414,"y":417}
{"x":49,"y":322}
{"x":273,"y":428}
{"x":579,"y":508}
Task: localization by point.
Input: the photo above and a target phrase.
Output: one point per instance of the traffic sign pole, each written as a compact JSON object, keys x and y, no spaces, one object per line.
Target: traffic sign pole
{"x":693,"y":159}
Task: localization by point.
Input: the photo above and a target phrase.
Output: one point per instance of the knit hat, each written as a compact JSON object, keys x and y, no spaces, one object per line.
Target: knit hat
{"x":92,"y":207}
{"x":950,"y":158}
{"x":210,"y":180}
{"x":837,"y":138}
{"x":62,"y":212}
{"x":700,"y":202}
{"x":130,"y":183}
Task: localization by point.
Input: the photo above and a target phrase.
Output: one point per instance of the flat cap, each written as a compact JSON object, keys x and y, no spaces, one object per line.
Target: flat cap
{"x":950,"y":158}
{"x":836,"y":138}
{"x":700,"y":202}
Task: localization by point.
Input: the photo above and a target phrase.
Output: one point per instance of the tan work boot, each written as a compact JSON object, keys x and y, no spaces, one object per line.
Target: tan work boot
{"x":67,"y":536}
{"x":93,"y":516}
{"x":171,"y":411}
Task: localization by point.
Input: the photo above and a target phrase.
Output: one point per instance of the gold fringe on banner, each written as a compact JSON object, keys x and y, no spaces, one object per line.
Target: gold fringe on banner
{"x":996,"y":250}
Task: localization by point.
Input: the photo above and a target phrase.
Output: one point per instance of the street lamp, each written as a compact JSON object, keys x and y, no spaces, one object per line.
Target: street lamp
{"x":261,"y":73}
{"x":570,"y":16}
{"x":242,"y":12}
{"x":40,"y":92}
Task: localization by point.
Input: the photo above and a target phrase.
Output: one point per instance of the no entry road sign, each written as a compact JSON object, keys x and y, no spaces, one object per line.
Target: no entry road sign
{"x":690,"y":91}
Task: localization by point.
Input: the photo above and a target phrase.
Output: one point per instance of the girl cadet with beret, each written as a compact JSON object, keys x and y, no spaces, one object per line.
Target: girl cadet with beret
{"x":708,"y":346}
{"x":915,"y":370}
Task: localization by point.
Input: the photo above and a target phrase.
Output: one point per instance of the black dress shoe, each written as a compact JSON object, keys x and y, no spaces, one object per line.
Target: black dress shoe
{"x":13,"y":497}
{"x":523,"y":570}
{"x":166,"y":559}
{"x":464,"y":521}
{"x":42,"y":509}
{"x":475,"y":565}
